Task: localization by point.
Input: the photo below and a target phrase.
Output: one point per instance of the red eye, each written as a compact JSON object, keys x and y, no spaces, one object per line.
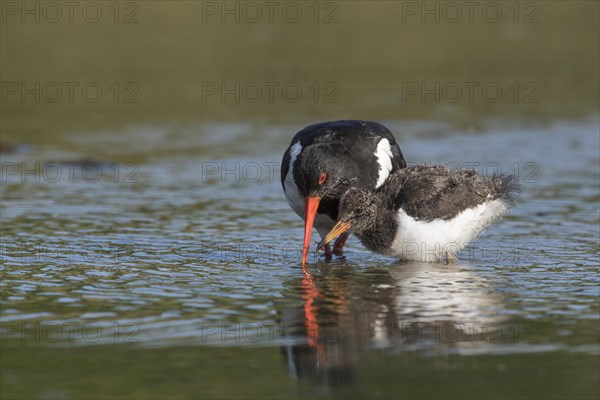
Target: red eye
{"x":322,"y":178}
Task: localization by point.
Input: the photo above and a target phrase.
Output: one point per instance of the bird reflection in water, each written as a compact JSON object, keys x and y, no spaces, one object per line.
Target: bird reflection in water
{"x":331,"y":317}
{"x":315,"y":348}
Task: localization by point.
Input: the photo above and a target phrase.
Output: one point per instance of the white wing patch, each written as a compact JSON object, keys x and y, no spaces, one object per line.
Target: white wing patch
{"x":384,"y":159}
{"x":290,"y":189}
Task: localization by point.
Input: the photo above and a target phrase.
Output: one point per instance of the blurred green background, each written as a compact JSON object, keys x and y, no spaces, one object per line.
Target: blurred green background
{"x":362,"y":56}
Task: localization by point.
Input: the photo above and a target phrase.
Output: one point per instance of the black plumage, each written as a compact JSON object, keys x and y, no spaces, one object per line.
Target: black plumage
{"x":326,"y":159}
{"x":432,"y":197}
{"x":344,"y":149}
{"x":429,"y":192}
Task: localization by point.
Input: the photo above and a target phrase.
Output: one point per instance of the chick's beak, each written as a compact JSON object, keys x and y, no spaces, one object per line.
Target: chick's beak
{"x":310,"y":208}
{"x":339,"y":228}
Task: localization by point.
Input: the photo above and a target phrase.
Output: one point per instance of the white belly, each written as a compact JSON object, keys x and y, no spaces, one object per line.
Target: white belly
{"x":428,"y":241}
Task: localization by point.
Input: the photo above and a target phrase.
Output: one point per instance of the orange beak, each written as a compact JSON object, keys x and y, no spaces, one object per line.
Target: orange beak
{"x":311,"y":205}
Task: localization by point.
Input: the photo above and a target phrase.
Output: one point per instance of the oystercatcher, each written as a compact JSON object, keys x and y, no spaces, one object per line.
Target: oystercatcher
{"x":424,"y":212}
{"x":324,"y":160}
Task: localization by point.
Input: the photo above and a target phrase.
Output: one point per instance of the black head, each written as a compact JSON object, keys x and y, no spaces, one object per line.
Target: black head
{"x":358,"y":212}
{"x":322,"y":171}
{"x":359,"y":207}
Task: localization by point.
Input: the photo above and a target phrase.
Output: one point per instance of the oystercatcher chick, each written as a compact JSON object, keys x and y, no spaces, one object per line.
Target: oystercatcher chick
{"x":326,"y":159}
{"x":424,"y":212}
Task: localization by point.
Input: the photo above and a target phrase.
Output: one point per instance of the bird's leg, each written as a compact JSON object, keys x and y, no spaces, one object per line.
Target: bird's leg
{"x":338,"y":246}
{"x":328,"y":252}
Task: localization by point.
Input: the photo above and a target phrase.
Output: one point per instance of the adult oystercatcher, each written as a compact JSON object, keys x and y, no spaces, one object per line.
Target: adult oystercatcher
{"x":424,"y":212}
{"x":326,"y":159}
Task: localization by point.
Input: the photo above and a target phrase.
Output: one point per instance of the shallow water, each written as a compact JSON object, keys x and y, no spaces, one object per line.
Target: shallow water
{"x":174,"y":262}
